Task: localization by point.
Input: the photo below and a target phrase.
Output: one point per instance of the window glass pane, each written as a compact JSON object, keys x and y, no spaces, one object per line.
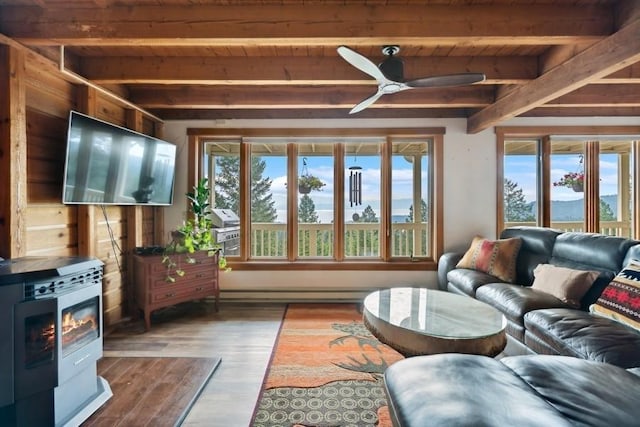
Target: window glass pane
{"x":268,"y":200}
{"x":567,"y":185}
{"x":616,"y":188}
{"x":315,"y":200}
{"x":410,"y":186}
{"x":362,"y":200}
{"x":520,"y":182}
{"x":221,"y":165}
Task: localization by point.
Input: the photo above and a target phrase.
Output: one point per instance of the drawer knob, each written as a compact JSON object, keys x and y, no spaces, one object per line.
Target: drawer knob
{"x":169,"y":294}
{"x":199,"y":288}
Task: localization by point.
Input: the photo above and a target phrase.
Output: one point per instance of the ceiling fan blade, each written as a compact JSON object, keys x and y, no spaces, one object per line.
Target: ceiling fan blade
{"x":447,"y":80}
{"x":362,"y":63}
{"x":365,"y":103}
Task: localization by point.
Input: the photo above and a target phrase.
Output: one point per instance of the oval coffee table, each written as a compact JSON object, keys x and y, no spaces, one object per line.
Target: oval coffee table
{"x":418,"y":321}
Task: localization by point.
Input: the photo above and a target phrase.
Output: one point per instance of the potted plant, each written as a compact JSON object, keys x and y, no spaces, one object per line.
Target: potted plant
{"x":573,"y":180}
{"x":307,"y":183}
{"x":195,"y":234}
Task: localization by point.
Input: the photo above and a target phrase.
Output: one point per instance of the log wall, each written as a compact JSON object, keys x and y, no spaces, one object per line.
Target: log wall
{"x":48,"y":227}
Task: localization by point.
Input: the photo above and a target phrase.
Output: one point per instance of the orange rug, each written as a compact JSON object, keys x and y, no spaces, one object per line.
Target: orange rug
{"x":326,"y":371}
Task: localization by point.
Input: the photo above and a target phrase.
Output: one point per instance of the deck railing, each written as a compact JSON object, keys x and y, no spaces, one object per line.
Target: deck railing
{"x":609,"y":228}
{"x":316,"y":240}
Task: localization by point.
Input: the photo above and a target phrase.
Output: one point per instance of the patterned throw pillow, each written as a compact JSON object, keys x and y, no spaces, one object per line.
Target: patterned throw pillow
{"x":495,"y":257}
{"x":620,"y":300}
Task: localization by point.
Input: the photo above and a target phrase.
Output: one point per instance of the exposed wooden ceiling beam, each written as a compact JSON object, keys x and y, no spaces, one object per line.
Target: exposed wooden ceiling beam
{"x":305,"y":97}
{"x":327,"y":70}
{"x":298,"y":113}
{"x":614,"y":53}
{"x":291,"y":25}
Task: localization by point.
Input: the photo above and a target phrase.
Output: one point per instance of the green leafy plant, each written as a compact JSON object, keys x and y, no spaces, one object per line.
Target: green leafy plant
{"x":307,"y":183}
{"x":195,"y":234}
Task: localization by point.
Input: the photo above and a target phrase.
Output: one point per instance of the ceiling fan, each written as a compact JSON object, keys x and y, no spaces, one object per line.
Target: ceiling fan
{"x":390,"y":75}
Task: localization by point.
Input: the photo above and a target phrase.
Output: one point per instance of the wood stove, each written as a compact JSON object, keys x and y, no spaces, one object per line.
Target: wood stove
{"x":50,"y":341}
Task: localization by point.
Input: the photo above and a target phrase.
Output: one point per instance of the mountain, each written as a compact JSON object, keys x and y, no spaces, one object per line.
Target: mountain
{"x":573,"y":210}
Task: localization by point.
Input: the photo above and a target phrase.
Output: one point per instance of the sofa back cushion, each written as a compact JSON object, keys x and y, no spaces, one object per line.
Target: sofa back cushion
{"x":537,"y":246}
{"x":590,"y":251}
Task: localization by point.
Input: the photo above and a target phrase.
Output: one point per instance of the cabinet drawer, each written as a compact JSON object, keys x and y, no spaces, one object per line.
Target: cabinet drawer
{"x":201,"y":262}
{"x":191,"y":276}
{"x":179,"y":293}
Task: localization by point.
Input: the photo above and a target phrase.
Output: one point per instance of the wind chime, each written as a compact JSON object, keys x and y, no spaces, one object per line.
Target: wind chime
{"x":355,"y":185}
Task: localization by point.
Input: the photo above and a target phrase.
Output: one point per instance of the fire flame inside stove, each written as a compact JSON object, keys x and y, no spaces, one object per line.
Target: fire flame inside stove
{"x":76,"y":329}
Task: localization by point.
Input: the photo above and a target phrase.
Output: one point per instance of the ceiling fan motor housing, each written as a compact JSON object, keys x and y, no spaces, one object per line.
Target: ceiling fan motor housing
{"x":393,"y":68}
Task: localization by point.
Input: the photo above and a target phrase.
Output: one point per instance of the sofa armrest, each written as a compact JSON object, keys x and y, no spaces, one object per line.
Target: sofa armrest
{"x":446,"y":263}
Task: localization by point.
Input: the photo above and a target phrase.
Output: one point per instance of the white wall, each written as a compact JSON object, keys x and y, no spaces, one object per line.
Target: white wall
{"x":469,"y":195}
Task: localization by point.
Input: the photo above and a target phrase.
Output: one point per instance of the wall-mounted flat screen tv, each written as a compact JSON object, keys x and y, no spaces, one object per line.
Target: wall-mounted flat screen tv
{"x":108,"y":164}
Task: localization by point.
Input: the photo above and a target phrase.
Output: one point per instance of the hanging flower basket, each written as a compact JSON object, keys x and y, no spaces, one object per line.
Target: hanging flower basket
{"x":573,"y":180}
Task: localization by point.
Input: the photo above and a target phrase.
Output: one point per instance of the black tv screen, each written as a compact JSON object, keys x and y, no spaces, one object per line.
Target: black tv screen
{"x":108,"y":164}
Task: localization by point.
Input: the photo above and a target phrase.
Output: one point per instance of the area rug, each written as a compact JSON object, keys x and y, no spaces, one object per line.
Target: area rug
{"x":151,"y":391}
{"x":326,"y":371}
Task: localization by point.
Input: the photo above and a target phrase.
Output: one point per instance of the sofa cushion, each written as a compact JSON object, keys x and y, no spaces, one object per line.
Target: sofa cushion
{"x":495,"y":257}
{"x":515,"y":300}
{"x":566,"y":284}
{"x":620,"y":300}
{"x":581,"y":334}
{"x":468,"y":281}
{"x":463,"y":390}
{"x":537,"y":245}
{"x":586,"y":393}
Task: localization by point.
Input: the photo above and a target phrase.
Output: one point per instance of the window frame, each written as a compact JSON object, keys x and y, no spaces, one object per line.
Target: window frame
{"x":544,"y":134}
{"x":198,"y":137}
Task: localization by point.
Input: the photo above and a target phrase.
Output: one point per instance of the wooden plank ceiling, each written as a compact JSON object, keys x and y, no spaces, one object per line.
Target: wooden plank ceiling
{"x":197,"y":59}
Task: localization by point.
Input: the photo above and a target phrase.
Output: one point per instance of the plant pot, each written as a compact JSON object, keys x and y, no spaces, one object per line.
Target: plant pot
{"x":578,"y":187}
{"x":304,"y":189}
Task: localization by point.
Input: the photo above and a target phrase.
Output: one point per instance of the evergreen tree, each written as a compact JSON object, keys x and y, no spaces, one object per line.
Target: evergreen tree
{"x":606,"y":213}
{"x":516,"y":208}
{"x":227,"y":188}
{"x":368,"y":215}
{"x":423,"y":212}
{"x":307,"y":210}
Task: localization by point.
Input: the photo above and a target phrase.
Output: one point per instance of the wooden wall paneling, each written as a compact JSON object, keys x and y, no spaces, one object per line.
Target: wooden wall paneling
{"x":13,"y":153}
{"x":45,"y":156}
{"x":158,"y":212}
{"x":110,"y":251}
{"x":109,"y":110}
{"x":134,"y":223}
{"x":52,"y":230}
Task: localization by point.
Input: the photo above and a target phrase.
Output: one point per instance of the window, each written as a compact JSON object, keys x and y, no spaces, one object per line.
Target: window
{"x":371,"y":195}
{"x":569,"y":180}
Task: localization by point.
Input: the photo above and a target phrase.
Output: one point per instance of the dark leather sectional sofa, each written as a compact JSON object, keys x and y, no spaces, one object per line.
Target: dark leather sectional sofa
{"x":540,"y":323}
{"x":563,"y":367}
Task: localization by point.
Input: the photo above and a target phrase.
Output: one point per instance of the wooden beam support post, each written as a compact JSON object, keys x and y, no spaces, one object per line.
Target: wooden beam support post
{"x":603,"y":58}
{"x":13,"y":153}
{"x":87,"y":232}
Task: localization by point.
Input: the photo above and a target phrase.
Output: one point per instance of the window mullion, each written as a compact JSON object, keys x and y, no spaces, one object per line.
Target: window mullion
{"x":338,"y":201}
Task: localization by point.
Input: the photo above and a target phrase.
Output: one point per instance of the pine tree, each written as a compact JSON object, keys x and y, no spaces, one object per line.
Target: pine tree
{"x":227,"y":186}
{"x":423,"y":212}
{"x":307,"y":211}
{"x":516,"y":208}
{"x":368,"y":215}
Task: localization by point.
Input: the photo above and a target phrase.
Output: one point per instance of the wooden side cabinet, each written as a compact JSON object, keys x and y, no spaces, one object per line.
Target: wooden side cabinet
{"x":153,"y":291}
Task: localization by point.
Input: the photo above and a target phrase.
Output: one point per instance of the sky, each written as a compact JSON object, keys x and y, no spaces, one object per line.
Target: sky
{"x":522,"y":170}
{"x":322,"y":167}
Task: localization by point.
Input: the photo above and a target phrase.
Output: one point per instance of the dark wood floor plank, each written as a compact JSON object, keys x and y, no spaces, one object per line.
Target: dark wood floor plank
{"x":241,"y":334}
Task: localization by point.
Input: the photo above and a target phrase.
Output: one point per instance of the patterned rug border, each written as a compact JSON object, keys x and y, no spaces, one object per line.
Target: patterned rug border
{"x":267,"y":380}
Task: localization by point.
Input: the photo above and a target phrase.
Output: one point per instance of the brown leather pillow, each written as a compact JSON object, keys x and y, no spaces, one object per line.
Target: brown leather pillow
{"x":566,"y":284}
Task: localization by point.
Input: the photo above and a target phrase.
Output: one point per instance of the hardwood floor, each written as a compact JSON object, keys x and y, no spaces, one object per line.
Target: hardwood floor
{"x":243,"y":335}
